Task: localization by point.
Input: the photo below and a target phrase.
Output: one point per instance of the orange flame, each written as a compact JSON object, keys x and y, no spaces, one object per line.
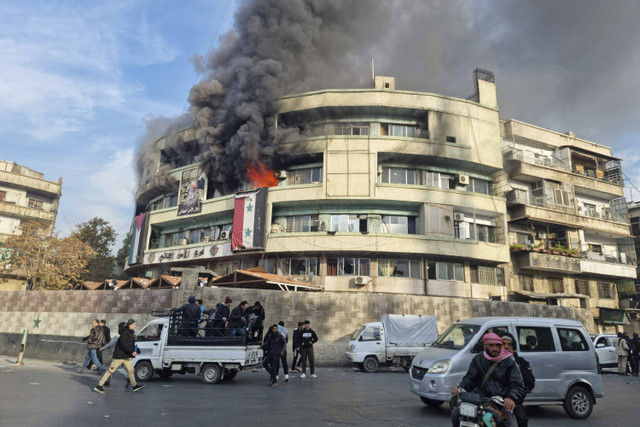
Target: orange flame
{"x":260,"y":175}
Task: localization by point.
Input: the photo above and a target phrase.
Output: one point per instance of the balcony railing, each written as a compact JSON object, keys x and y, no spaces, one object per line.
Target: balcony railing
{"x":532,"y":158}
{"x":611,"y":258}
{"x":606,"y":213}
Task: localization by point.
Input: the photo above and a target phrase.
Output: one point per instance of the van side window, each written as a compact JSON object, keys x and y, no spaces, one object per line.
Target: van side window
{"x":603,"y":341}
{"x":479,"y":346}
{"x":535,"y":339}
{"x":371,"y":333}
{"x":572,"y":340}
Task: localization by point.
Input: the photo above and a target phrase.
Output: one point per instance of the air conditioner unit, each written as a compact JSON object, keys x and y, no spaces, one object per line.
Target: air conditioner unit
{"x":281,"y":174}
{"x":225,"y":235}
{"x":362,"y":280}
{"x":458,"y":216}
{"x":463,"y":179}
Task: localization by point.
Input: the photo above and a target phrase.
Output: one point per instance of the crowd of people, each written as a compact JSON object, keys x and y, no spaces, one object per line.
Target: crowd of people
{"x":628,"y":352}
{"x":248,"y":321}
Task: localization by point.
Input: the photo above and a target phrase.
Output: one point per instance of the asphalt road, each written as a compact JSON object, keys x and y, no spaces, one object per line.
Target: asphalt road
{"x":44,"y":393}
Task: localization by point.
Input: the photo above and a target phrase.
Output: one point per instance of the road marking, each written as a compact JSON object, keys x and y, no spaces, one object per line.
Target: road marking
{"x":165,"y":385}
{"x":34,"y":383}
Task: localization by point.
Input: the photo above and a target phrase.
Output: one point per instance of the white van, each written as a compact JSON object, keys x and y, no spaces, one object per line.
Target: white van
{"x":560,"y":352}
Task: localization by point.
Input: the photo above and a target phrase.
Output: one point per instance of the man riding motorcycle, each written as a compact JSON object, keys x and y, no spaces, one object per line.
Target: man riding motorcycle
{"x":493,"y":373}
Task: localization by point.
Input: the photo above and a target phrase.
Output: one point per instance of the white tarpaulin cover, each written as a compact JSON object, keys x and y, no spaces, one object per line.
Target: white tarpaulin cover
{"x":410,"y":329}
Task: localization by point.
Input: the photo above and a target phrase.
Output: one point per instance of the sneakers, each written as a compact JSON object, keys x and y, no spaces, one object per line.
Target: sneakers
{"x":286,"y":378}
{"x":99,"y":389}
{"x":303,"y":376}
{"x":277,"y":377}
{"x":138,"y":387}
{"x":314,"y":376}
{"x":80,"y":371}
{"x":128,"y":383}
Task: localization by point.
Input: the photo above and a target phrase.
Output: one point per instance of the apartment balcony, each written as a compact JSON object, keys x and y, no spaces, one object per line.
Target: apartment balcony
{"x":520,"y":207}
{"x":612,"y":265}
{"x":531,"y":169}
{"x":48,"y":188}
{"x":547,"y":262}
{"x":26,"y":213}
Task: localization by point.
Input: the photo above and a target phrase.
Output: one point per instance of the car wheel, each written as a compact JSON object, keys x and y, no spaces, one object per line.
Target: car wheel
{"x":143,"y":371}
{"x":578,"y":402}
{"x":210,"y":374}
{"x":165,"y":373}
{"x":370,"y":364}
{"x":431,"y":403}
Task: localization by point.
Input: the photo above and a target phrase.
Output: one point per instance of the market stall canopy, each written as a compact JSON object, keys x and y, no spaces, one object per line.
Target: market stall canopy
{"x":257,"y":278}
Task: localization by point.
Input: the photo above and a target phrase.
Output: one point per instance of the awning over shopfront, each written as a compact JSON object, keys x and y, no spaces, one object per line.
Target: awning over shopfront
{"x":611,"y":316}
{"x":257,"y":278}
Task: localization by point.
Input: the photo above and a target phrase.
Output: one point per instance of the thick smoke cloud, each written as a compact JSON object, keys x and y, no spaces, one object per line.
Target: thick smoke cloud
{"x":569,"y":65}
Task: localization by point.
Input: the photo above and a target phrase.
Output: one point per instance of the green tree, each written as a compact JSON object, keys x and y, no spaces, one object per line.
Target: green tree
{"x":123,"y":255}
{"x":100,"y":236}
{"x":45,"y":262}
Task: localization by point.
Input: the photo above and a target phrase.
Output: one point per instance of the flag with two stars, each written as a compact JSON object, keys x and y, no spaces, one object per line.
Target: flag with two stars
{"x":248,"y":220}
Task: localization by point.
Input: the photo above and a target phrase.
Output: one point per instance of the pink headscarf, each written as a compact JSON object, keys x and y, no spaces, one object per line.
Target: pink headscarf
{"x":495,"y":339}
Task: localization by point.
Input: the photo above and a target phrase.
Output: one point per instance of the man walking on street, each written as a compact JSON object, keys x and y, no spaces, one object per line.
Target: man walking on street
{"x":96,"y":340}
{"x":622,"y":351}
{"x":307,"y":338}
{"x":636,"y":354}
{"x":273,"y":347}
{"x":125,"y":350}
{"x":285,"y":367}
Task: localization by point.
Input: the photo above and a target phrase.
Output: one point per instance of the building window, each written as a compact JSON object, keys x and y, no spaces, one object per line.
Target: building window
{"x":400,"y":176}
{"x":486,"y":275}
{"x":446,"y":271}
{"x":224,"y":268}
{"x":396,"y":224}
{"x":557,"y":285}
{"x":635,"y":225}
{"x":451,"y":139}
{"x":348,"y":267}
{"x":351,"y":129}
{"x":441,"y":180}
{"x":398,"y":268}
{"x":304,"y":176}
{"x":407,"y":131}
{"x":299,"y":266}
{"x":35,"y":204}
{"x":526,"y":282}
{"x":349,"y":223}
{"x":604,"y":291}
{"x":582,"y":287}
{"x":481,"y":186}
{"x":302,"y":223}
{"x":469,"y":230}
{"x":3,"y":196}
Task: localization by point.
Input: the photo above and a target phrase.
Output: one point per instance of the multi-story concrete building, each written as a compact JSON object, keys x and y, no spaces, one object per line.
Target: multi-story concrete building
{"x":389,"y":191}
{"x":568,"y":220}
{"x":26,"y":196}
{"x":407,"y":192}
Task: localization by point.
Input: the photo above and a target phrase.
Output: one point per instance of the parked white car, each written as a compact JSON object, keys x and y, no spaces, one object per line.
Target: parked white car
{"x":605,"y":350}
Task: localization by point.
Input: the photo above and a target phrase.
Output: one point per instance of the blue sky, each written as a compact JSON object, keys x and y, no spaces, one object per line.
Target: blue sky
{"x":79,"y":79}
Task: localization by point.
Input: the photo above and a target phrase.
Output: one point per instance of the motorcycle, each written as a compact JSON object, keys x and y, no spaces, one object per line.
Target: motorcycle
{"x":480,"y":411}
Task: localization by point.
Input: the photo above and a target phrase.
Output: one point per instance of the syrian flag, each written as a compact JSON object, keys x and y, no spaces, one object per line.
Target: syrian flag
{"x":138,"y":235}
{"x":248,"y":220}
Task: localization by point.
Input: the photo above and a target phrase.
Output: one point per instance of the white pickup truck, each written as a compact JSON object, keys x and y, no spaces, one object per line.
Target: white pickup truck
{"x":395,"y":339}
{"x":164,"y":351}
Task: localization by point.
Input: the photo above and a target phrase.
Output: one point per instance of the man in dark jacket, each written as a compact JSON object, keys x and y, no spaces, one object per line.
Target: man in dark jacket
{"x":124,"y":351}
{"x":636,"y":354}
{"x":296,"y":349}
{"x":95,"y":341}
{"x":191,"y":314}
{"x":307,"y":339}
{"x":508,"y":342}
{"x":504,"y":379}
{"x":258,"y":323}
{"x":216,"y":326}
{"x":273,"y":346}
{"x":238,"y":321}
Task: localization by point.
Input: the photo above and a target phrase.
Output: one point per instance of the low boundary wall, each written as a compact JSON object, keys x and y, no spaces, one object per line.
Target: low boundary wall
{"x":64,"y":317}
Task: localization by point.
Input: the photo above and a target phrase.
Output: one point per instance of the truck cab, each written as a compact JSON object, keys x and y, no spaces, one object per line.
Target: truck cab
{"x":366,"y":346}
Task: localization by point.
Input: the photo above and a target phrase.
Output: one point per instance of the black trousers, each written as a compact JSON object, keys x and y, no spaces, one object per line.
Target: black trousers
{"x":283,"y":359}
{"x":521,"y":416}
{"x":271,"y":363}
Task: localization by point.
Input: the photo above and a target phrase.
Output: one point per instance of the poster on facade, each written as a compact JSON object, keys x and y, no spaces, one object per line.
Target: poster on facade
{"x":191,"y":194}
{"x":248,"y":220}
{"x":138,"y":237}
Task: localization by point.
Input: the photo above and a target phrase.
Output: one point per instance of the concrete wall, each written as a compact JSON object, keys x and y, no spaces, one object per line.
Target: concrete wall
{"x":66,"y":315}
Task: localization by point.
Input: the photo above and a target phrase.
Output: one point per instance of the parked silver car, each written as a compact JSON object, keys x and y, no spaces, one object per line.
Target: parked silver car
{"x":560,"y":351}
{"x":605,"y":350}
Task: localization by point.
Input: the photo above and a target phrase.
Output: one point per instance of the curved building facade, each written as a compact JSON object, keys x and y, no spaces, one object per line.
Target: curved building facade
{"x":386,"y":191}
